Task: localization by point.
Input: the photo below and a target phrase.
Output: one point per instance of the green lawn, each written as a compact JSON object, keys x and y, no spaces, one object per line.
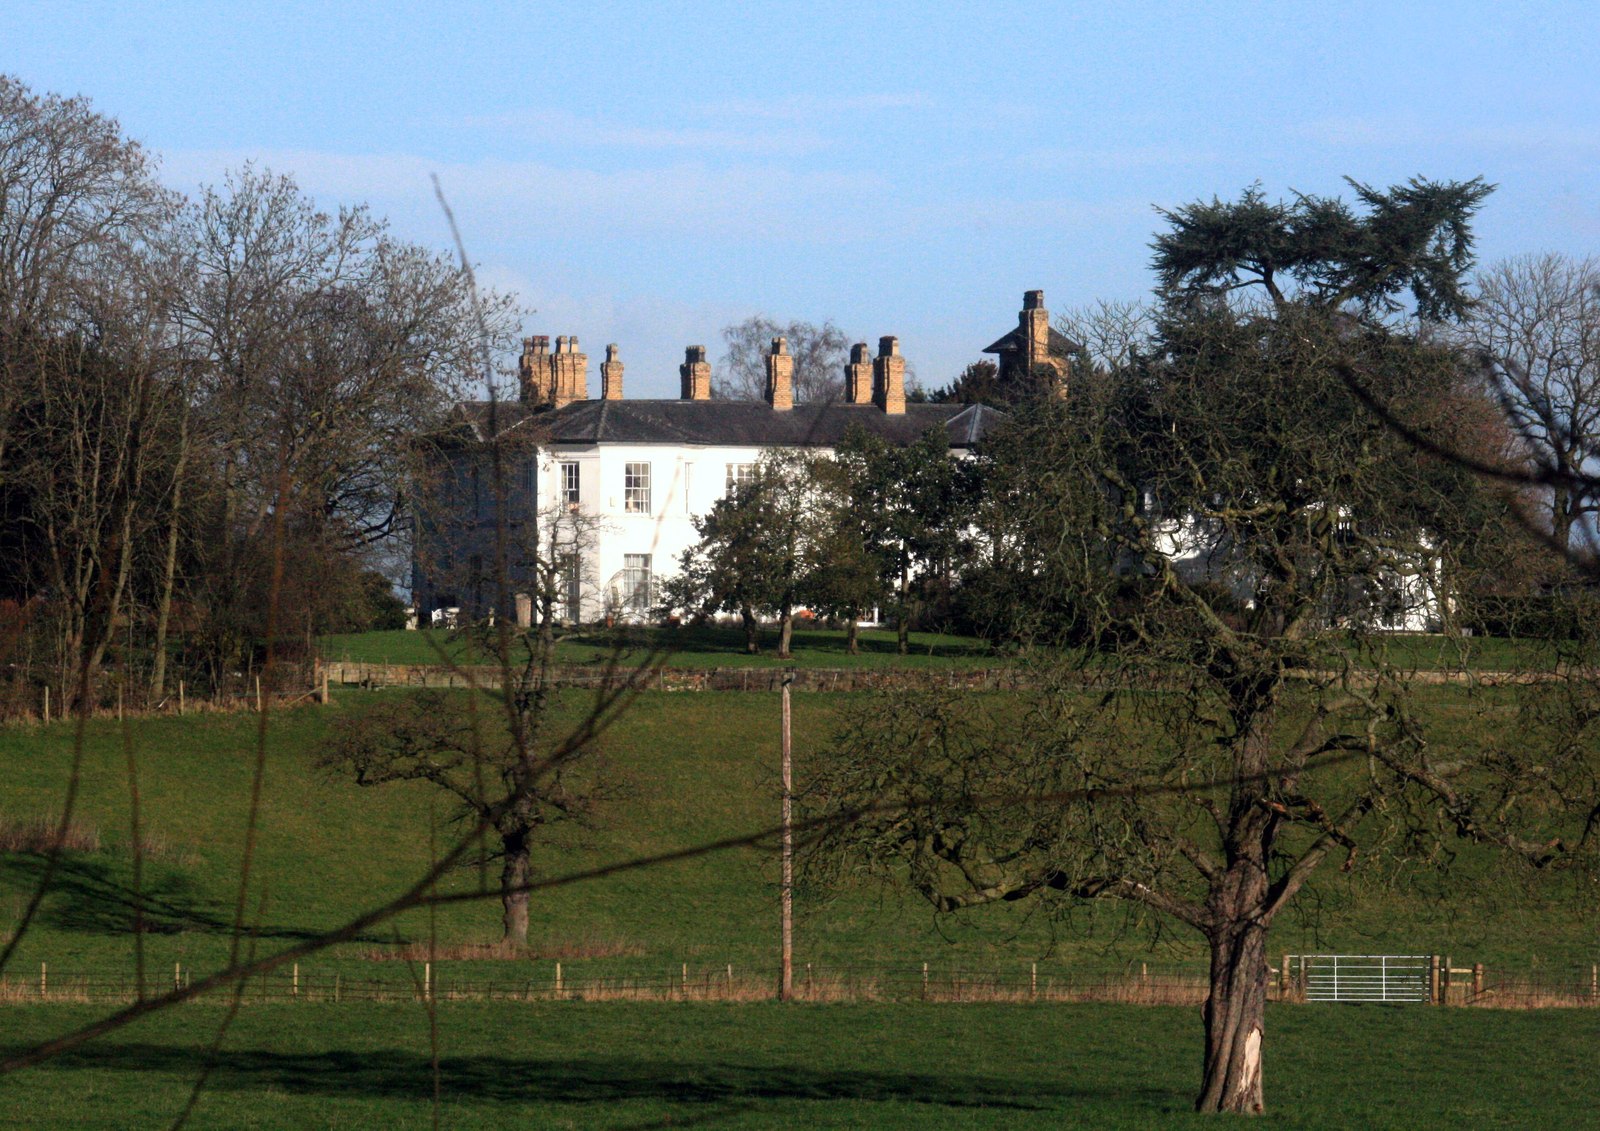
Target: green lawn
{"x":693,"y":768}
{"x":719,"y":646}
{"x":705,"y":647}
{"x":632,"y":1066}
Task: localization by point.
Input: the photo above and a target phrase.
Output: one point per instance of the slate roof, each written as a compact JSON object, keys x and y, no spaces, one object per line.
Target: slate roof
{"x":727,"y":423}
{"x":1060,"y":344}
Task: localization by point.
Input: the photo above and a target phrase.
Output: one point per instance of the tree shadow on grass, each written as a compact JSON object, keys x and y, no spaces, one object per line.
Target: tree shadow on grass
{"x":89,"y":896}
{"x":710,"y":1088}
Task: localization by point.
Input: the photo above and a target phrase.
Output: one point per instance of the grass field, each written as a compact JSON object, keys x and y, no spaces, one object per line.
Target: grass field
{"x":968,"y":1066}
{"x":698,"y":767}
{"x":694,"y":768}
{"x":705,"y":647}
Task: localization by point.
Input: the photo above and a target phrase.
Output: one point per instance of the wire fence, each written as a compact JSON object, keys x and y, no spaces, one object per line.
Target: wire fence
{"x":727,"y":983}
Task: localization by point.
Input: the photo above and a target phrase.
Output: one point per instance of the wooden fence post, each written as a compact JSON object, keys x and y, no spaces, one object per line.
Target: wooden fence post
{"x":47,"y":702}
{"x":180,"y":697}
{"x":1283,"y":979}
{"x":427,"y":981}
{"x":924,"y":981}
{"x":294,"y":990}
{"x":43,"y":978}
{"x":1433,"y":979}
{"x":1477,"y":980}
{"x":558,"y":980}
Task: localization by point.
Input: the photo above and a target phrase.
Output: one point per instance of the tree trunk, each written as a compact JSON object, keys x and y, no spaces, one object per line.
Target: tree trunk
{"x":903,"y":614}
{"x":852,"y":643}
{"x":752,"y":642}
{"x":785,"y":633}
{"x":515,"y":873}
{"x":1235,"y":1020}
{"x":169,"y":565}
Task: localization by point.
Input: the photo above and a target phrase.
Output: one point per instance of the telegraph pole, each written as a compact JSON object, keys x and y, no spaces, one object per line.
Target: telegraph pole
{"x":786,"y":986}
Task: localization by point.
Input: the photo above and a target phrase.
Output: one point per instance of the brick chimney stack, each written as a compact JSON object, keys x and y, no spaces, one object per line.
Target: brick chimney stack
{"x":889,"y":377}
{"x":780,"y":376}
{"x":611,"y":375}
{"x":696,"y":374}
{"x":858,"y":375}
{"x":569,"y":373}
{"x":1034,"y":321}
{"x":533,"y":370}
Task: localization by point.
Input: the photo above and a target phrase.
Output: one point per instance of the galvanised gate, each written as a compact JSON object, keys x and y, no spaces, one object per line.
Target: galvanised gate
{"x":1364,"y":977}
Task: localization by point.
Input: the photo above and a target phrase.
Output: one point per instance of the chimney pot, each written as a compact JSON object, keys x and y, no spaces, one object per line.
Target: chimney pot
{"x":780,"y":376}
{"x":696,"y":374}
{"x":858,"y":375}
{"x":611,"y":375}
{"x":889,"y":377}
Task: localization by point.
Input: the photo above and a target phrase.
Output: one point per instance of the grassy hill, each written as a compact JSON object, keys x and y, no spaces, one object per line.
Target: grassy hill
{"x":695,"y":767}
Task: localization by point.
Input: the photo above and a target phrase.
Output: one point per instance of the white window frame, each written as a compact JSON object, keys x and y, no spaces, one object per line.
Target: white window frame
{"x":636,"y":487}
{"x":571,"y":482}
{"x":636,"y":583}
{"x":738,"y":476}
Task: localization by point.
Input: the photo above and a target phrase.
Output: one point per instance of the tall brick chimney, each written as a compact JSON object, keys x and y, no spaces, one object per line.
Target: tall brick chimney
{"x":780,"y":376}
{"x":533,"y":370}
{"x":696,"y":374}
{"x":611,"y":375}
{"x":858,"y":375}
{"x":1034,"y":322}
{"x":889,"y":377}
{"x":569,"y":373}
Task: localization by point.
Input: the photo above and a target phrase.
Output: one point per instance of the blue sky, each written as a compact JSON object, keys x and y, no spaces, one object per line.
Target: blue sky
{"x":646,"y":173}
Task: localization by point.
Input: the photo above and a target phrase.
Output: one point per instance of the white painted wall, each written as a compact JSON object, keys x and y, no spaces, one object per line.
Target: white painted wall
{"x":685,"y":480}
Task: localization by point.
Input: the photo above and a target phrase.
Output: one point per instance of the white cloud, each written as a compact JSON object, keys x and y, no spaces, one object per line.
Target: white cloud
{"x":736,"y":202}
{"x":558,"y":127}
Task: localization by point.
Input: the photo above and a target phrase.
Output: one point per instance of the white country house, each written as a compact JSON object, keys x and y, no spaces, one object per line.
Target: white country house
{"x":626,"y":477}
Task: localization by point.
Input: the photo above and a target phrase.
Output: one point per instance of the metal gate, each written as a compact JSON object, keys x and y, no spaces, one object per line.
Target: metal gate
{"x":1365,"y":977}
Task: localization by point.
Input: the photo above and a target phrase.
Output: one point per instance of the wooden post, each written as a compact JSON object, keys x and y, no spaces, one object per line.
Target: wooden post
{"x":924,"y":981}
{"x":1033,"y":981}
{"x":683,"y":985}
{"x":1477,"y":980}
{"x":324,"y":670}
{"x":1594,"y":980}
{"x":427,"y":981}
{"x":786,"y":984}
{"x":44,"y":979}
{"x":180,"y":697}
{"x":177,"y":975}
{"x":119,"y":703}
{"x":809,"y":991}
{"x":47,"y":702}
{"x":1283,"y":979}
{"x":1433,"y":980}
{"x":1448,"y":963}
{"x":730,"y":981}
{"x":558,"y":980}
{"x":294,"y":990}
{"x":258,"y":693}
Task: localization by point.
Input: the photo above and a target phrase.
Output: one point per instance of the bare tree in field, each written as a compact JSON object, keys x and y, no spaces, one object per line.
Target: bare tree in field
{"x":83,"y":357}
{"x":322,"y":347}
{"x":819,"y":356}
{"x":1537,"y":318}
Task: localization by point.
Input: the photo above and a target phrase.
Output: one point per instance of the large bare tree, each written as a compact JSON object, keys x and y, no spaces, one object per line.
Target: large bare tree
{"x":1537,"y":319}
{"x":819,"y":355}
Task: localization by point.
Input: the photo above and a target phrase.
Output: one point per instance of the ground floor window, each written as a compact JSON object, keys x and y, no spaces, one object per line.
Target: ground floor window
{"x":636,"y":583}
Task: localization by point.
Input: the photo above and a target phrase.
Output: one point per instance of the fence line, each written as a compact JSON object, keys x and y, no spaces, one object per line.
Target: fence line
{"x":726,"y":982}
